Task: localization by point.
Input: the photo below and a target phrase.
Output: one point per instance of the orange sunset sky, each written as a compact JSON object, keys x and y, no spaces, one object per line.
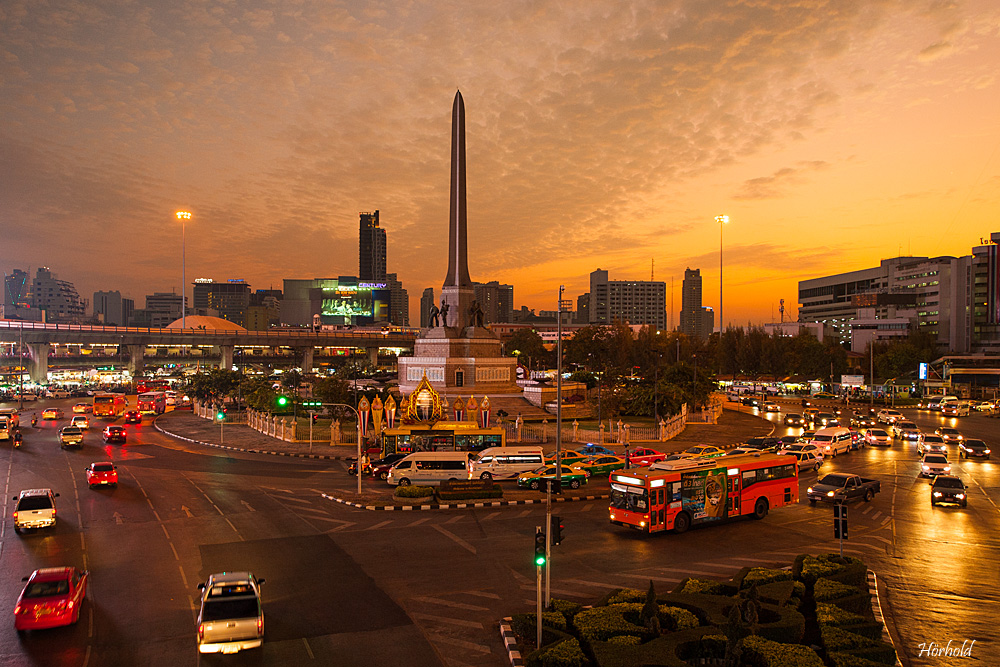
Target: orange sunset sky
{"x":601,"y":133}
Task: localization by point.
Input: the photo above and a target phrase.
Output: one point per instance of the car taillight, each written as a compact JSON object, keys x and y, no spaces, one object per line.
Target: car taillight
{"x":201,"y":631}
{"x":17,"y":609}
{"x":15,"y":516}
{"x":260,"y":625}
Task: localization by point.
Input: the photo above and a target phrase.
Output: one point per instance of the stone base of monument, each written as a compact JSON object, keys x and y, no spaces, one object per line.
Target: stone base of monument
{"x":459,"y":363}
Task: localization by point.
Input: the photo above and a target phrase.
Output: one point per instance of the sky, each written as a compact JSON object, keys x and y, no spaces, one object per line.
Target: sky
{"x":600,"y":134}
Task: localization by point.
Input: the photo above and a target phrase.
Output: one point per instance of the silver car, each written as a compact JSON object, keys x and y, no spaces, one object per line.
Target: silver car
{"x":877,"y":436}
{"x":231,"y":617}
{"x":934,"y":464}
{"x":931,"y":443}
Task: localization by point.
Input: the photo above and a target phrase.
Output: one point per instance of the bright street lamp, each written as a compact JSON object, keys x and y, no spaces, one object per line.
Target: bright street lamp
{"x":183,"y":216}
{"x":722,"y":220}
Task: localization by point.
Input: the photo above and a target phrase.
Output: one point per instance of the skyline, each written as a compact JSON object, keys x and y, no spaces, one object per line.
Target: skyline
{"x":625,"y":129}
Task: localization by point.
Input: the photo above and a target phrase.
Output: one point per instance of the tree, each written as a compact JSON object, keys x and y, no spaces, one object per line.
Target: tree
{"x":650,"y":614}
{"x":528,"y":344}
{"x":215,"y":385}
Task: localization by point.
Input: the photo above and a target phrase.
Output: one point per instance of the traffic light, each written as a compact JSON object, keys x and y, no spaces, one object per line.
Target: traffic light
{"x":315,"y":418}
{"x":282,"y":401}
{"x":555,"y":529}
{"x":312,"y":404}
{"x":220,"y":415}
{"x":840,"y":521}
{"x":539,"y":547}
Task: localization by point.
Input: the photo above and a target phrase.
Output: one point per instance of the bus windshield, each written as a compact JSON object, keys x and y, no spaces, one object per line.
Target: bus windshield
{"x":631,"y":498}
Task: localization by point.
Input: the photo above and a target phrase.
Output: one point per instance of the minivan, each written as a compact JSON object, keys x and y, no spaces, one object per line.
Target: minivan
{"x":429,"y":468}
{"x":832,"y":441}
{"x":505,"y":462}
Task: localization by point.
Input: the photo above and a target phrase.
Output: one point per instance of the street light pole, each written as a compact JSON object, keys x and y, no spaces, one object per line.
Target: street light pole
{"x":358,"y":416}
{"x":183,"y":216}
{"x":722,"y":220}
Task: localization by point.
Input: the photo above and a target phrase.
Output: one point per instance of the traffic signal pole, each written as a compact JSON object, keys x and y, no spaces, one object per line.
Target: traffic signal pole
{"x":538,"y":587}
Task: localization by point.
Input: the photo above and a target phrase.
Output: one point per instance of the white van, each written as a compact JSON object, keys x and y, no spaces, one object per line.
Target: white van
{"x":832,"y":441}
{"x":505,"y":462}
{"x":5,"y":428}
{"x":429,"y":468}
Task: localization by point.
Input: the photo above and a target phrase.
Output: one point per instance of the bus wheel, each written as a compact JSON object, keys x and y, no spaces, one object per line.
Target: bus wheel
{"x":760,"y":509}
{"x":681,"y":522}
{"x":486,"y":476}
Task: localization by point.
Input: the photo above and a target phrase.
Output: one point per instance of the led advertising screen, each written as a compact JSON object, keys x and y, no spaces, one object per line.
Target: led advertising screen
{"x":360,"y":303}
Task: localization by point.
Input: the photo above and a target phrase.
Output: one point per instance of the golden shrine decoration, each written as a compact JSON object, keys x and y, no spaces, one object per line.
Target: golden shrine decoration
{"x":424,"y":404}
{"x":472,"y":406}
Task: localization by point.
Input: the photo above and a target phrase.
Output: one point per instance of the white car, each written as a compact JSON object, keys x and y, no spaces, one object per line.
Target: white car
{"x":889,"y":416}
{"x":949,"y":434}
{"x":877,"y":436}
{"x":741,"y":450}
{"x":81,"y":421}
{"x":807,"y":460}
{"x":905,"y":430}
{"x":56,"y":393}
{"x":955,"y":410}
{"x":934,"y":464}
{"x":803,"y":448}
{"x":930,"y":442}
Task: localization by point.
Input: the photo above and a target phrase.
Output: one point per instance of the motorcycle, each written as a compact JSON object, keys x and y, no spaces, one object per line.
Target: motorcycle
{"x":34,"y":421}
{"x":17,"y":439}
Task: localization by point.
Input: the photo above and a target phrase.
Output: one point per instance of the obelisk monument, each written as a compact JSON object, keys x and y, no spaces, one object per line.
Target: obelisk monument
{"x":459,"y":356}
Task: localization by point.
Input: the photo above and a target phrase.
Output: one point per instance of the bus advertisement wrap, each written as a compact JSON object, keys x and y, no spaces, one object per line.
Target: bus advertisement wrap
{"x":704,"y":494}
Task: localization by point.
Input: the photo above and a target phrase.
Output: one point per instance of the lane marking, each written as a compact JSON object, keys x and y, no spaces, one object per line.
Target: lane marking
{"x":671,"y":580}
{"x":484,"y":594}
{"x":176,"y":557}
{"x":458,"y":540}
{"x":308,"y":648}
{"x":453,"y":519}
{"x":445,"y":619}
{"x":449,"y":603}
{"x":586,"y":508}
{"x":234,"y":529}
{"x":593,"y":584}
{"x":491,"y":515}
{"x":90,"y":622}
{"x":165,"y":530}
{"x":418,"y":522}
{"x":86,"y":657}
{"x":379,"y":524}
{"x":479,"y":648}
{"x":184,"y":578}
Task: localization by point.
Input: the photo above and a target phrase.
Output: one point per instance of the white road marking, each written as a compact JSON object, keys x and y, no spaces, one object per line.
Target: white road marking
{"x":449,"y":603}
{"x":479,"y":648}
{"x":454,"y":519}
{"x":308,"y":648}
{"x":297,"y":500}
{"x":672,"y":580}
{"x":593,"y":584}
{"x":445,"y":619}
{"x":491,"y":515}
{"x":458,"y":540}
{"x":183,"y":576}
{"x":234,"y":529}
{"x":380,"y":524}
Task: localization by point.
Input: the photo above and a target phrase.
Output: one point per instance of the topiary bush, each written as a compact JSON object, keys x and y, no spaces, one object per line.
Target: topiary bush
{"x":495,"y":492}
{"x":602,"y":623}
{"x":565,"y":607}
{"x":566,"y":653}
{"x":788,"y":628}
{"x":625,"y":640}
{"x":681,"y":619}
{"x":706,"y":586}
{"x":777,"y":592}
{"x":763,"y":575}
{"x":831,"y":614}
{"x":836,"y":639}
{"x":840,"y":659}
{"x":524,"y":624}
{"x":846,"y":569}
{"x":626,"y":595}
{"x":414,"y":491}
{"x":825,"y":590}
{"x":760,"y":652}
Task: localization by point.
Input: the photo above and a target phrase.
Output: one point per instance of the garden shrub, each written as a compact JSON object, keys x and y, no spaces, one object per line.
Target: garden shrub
{"x":825,"y":590}
{"x":670,"y":650}
{"x":836,"y":639}
{"x":565,"y":607}
{"x":798,"y":590}
{"x":712,"y":646}
{"x":841,"y":659}
{"x":860,"y":603}
{"x":797,"y":566}
{"x":827,"y":565}
{"x":706,"y":586}
{"x":709,"y":609}
{"x":602,"y":623}
{"x":831,"y":614}
{"x":626,"y":595}
{"x":682,"y":618}
{"x":871,"y":629}
{"x":763,"y":575}
{"x":566,"y":653}
{"x":879,"y":652}
{"x":524,"y":624}
{"x":759,"y":652}
{"x":777,"y":592}
{"x":627,"y":640}
{"x":789,"y":628}
{"x":414,"y":491}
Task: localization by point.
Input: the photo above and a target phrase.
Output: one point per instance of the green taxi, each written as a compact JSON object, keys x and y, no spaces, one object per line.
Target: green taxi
{"x":603,"y":465}
{"x":569,"y":458}
{"x":571,"y":477}
{"x":709,"y":451}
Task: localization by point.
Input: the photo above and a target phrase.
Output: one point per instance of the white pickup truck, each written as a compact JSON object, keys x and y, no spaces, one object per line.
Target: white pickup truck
{"x":231,"y":617}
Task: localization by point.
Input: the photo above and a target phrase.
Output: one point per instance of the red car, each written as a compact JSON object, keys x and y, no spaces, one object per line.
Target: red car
{"x":114,"y":433}
{"x":133,"y":417}
{"x":52,"y":597}
{"x":103,"y":473}
{"x":643,"y":456}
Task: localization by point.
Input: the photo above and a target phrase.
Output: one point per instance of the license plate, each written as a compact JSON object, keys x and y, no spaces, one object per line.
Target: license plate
{"x":230,"y":649}
{"x":104,"y":481}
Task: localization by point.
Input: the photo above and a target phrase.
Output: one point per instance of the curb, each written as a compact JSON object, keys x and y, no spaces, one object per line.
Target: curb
{"x":323,"y":457}
{"x":510,"y":643}
{"x":877,"y":611}
{"x":455,"y":506}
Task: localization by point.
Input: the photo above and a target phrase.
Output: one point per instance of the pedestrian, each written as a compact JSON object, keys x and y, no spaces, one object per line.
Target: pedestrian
{"x":363,"y":467}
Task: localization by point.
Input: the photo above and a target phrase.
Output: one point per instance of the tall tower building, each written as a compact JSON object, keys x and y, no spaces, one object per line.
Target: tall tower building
{"x":58,"y":298}
{"x":112,"y":308}
{"x":691,"y":303}
{"x":371,"y":248}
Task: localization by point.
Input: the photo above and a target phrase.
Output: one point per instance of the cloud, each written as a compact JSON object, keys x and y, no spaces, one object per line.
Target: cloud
{"x":778,"y":183}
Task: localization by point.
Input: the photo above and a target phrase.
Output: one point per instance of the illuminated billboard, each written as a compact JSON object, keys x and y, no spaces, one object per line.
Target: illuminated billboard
{"x":354,"y":303}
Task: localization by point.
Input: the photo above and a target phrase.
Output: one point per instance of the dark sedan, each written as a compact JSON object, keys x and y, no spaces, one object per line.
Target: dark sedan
{"x":114,"y":433}
{"x":973,"y":447}
{"x":133,"y":417}
{"x":763,"y":443}
{"x":379,"y":468}
{"x":948,"y":489}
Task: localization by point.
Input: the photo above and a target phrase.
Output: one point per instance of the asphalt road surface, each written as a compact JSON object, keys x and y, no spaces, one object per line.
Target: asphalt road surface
{"x":354,"y":587}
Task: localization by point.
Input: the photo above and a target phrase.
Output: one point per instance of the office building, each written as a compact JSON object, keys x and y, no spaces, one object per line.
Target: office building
{"x":696,"y":321}
{"x":228,"y":300}
{"x":399,"y":301}
{"x":582,"y":309}
{"x":985,"y":302}
{"x":371,"y":249}
{"x":634,"y":302}
{"x":264,"y":310}
{"x":58,"y":299}
{"x":162,"y":308}
{"x":496,"y":300}
{"x":426,"y":301}
{"x":112,"y":309}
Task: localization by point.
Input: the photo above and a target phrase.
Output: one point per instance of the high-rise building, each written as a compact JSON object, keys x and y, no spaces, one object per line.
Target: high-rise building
{"x":582,"y":309}
{"x":228,"y":300}
{"x":986,"y":295}
{"x":162,"y":308}
{"x":496,"y":301}
{"x":371,"y":248}
{"x":15,"y":290}
{"x":57,"y":298}
{"x":399,"y":301}
{"x":634,"y":302}
{"x":426,"y":301}
{"x":112,"y":309}
{"x":696,"y":320}
{"x":264,"y":310}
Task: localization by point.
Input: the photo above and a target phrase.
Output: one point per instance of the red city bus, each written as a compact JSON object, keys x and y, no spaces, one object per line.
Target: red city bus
{"x":153,"y":402}
{"x":109,"y":405}
{"x":674,"y":495}
{"x":145,"y":385}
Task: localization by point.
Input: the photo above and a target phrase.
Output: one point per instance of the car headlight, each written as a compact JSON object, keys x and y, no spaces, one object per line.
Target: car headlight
{"x":830,"y":493}
{"x":809,"y":490}
{"x":960,"y":496}
{"x":937,"y":494}
{"x":947,"y":468}
{"x":925,"y":467}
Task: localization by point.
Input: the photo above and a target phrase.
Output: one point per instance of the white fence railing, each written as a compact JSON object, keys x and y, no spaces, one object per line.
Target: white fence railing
{"x":617,"y":432}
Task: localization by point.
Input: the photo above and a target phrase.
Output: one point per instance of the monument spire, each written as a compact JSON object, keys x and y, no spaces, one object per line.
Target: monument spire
{"x":458,"y":255}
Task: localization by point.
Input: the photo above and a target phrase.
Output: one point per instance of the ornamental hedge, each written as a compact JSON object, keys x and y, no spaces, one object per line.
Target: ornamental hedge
{"x":414,"y":491}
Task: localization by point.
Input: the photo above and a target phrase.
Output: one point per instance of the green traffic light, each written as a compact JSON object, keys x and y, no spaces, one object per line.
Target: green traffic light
{"x":220,"y":416}
{"x":539,"y":560}
{"x":282,"y":401}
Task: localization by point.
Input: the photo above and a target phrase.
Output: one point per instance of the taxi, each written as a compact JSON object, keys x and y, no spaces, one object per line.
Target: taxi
{"x":52,"y":413}
{"x":571,"y":477}
{"x":82,"y":408}
{"x":603,"y":465}
{"x":52,"y":597}
{"x":569,"y":458}
{"x":709,"y":451}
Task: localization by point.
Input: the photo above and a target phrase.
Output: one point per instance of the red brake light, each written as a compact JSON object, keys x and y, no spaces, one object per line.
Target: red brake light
{"x":201,"y":631}
{"x":260,"y":625}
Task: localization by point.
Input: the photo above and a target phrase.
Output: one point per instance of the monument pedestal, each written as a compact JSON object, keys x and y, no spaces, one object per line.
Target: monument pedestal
{"x":459,"y":363}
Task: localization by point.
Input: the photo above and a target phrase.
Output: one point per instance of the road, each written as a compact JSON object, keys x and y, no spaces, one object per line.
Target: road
{"x":355,"y":587}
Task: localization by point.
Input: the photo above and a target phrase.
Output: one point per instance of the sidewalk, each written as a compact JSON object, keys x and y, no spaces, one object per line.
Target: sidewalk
{"x":733,"y":428}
